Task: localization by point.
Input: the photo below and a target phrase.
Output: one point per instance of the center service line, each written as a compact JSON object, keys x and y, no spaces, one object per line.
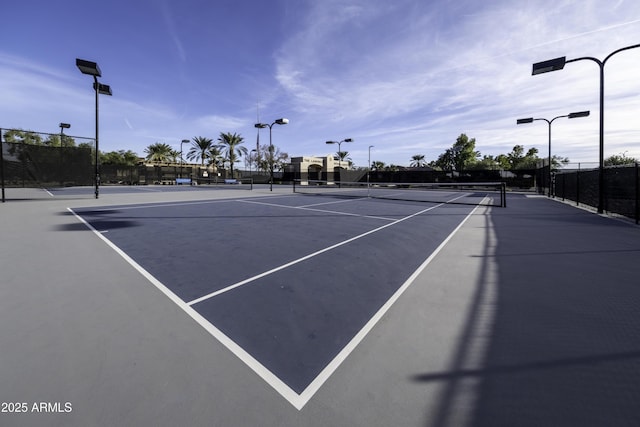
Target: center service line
{"x":314,"y":254}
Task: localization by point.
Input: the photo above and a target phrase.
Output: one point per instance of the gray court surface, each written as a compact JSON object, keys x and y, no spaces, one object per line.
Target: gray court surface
{"x":519,"y":316}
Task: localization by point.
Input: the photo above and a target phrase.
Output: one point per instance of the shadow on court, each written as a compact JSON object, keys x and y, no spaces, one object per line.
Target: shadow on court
{"x":552,"y":336}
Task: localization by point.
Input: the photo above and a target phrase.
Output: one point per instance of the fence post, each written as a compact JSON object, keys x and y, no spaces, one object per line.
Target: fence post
{"x":2,"y":165}
{"x":578,"y":186}
{"x":637,"y":193}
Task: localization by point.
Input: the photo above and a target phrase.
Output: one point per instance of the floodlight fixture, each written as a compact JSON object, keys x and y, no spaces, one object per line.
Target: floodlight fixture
{"x":88,"y":67}
{"x":282,"y":121}
{"x":579,"y":114}
{"x":550,"y":65}
{"x":103,"y":89}
{"x":65,"y":125}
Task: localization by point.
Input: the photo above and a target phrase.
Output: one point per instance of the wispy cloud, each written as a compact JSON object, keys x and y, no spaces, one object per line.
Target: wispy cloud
{"x":412,"y":79}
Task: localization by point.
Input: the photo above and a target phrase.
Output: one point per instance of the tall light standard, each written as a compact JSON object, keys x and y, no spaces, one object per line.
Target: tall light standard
{"x":63,"y":126}
{"x":251,"y":158}
{"x":281,"y":121}
{"x":184,"y":141}
{"x":340,"y":153}
{"x":92,"y":69}
{"x":571,"y":116}
{"x":558,"y":64}
{"x":369,"y":169}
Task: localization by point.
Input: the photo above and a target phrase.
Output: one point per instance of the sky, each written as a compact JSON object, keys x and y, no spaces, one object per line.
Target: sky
{"x":405,"y":77}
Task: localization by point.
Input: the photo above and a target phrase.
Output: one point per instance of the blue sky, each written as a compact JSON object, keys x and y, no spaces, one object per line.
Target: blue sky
{"x":406,"y":76}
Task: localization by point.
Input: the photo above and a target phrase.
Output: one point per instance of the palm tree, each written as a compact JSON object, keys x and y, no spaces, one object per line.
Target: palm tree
{"x":377,"y":165}
{"x":200,"y":149}
{"x":417,"y":161}
{"x":158,"y":152}
{"x":343,"y":156}
{"x":229,"y":143}
{"x":174,"y":155}
{"x":214,"y":156}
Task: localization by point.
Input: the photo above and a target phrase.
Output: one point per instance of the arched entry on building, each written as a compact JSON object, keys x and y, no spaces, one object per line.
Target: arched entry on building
{"x":314,"y":172}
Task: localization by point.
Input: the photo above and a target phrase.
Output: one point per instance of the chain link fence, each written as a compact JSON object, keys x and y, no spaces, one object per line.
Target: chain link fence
{"x":621,"y":192}
{"x":34,"y":159}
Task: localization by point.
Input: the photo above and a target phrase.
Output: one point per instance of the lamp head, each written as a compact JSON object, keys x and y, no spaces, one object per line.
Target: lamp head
{"x":103,"y":89}
{"x":523,"y":121}
{"x":65,"y":125}
{"x":550,"y":65}
{"x":282,"y":121}
{"x":88,"y":67}
{"x":579,"y":114}
{"x":261,"y":125}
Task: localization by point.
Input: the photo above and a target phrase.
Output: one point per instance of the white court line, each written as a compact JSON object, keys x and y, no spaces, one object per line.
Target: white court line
{"x":307,"y":208}
{"x":333,"y":202}
{"x":311,"y":255}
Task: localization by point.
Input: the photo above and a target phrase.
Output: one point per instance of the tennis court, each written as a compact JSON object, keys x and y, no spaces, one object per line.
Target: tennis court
{"x":290,"y":283}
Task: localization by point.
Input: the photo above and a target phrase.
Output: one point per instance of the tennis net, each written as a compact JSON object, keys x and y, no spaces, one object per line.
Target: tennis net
{"x":475,"y":193}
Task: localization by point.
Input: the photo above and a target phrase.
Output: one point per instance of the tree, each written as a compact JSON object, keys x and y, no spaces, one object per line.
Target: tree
{"x":262,"y":157}
{"x":121,"y":157}
{"x":446,"y":161}
{"x":464,"y":152}
{"x":343,"y":156}
{"x":229,"y":143}
{"x":487,"y":162}
{"x":22,"y":136}
{"x":620,"y":160}
{"x":377,"y":165}
{"x":417,"y":161}
{"x":53,"y":140}
{"x":460,"y":156}
{"x":158,"y":152}
{"x":518,"y":160}
{"x":174,"y":156}
{"x":200,"y":149}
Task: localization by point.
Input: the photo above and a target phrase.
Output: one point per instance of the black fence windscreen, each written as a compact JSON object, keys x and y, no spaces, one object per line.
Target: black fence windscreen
{"x":27,"y":165}
{"x":621,"y":192}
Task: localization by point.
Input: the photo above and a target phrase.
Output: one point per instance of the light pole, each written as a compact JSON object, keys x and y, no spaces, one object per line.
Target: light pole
{"x":340,"y":153}
{"x":184,"y":141}
{"x":92,"y":69}
{"x":558,"y":64}
{"x":369,"y":169}
{"x":250,"y":160}
{"x":571,"y":116}
{"x":281,"y":121}
{"x":63,"y":126}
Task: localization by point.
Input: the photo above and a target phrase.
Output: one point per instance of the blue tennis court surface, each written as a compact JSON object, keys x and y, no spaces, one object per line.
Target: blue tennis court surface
{"x":289,"y":283}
